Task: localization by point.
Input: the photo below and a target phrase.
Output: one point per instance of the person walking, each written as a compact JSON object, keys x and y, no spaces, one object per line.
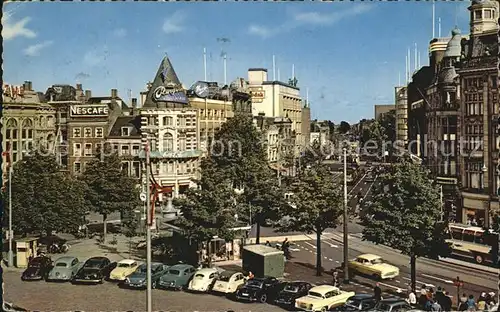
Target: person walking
{"x":335,"y":278}
{"x":471,"y":304}
{"x":377,"y":292}
{"x":422,"y":300}
{"x":435,"y":306}
{"x":481,"y":302}
{"x":447,"y":302}
{"x":412,"y":298}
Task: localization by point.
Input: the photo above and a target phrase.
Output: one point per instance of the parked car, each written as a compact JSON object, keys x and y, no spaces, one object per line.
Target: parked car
{"x":392,"y":305}
{"x":228,"y":282}
{"x":138,"y":278}
{"x":64,"y":269}
{"x":322,"y":298}
{"x":94,"y":270}
{"x":123,"y":269}
{"x":374,"y":266}
{"x":359,"y":302}
{"x":203,"y":280}
{"x":177,"y":276}
{"x":292,"y":290}
{"x":38,"y":269}
{"x":262,"y":289}
{"x":9,"y":307}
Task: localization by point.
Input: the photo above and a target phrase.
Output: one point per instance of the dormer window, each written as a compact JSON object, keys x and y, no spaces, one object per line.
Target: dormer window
{"x":125,"y":131}
{"x":478,"y":14}
{"x":487,"y":14}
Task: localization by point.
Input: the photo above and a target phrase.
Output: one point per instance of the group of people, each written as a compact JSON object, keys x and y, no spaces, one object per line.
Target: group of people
{"x":440,"y":300}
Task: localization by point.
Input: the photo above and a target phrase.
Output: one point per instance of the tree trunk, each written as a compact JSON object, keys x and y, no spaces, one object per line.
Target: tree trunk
{"x":318,"y":253}
{"x":104,"y":226}
{"x":209,"y":254}
{"x":257,"y":230}
{"x":413,"y":270}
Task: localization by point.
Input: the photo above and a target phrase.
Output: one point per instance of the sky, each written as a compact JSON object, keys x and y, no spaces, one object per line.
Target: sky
{"x":348,"y":55}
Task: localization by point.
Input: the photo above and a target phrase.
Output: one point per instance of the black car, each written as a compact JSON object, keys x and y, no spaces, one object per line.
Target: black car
{"x":262,"y":289}
{"x":392,"y":305}
{"x":291,"y":291}
{"x":94,"y":270}
{"x":360,"y":302}
{"x":38,"y":269}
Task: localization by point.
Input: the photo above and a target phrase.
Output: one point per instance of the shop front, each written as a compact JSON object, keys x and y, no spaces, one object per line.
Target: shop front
{"x":223,"y":250}
{"x":475,"y":209}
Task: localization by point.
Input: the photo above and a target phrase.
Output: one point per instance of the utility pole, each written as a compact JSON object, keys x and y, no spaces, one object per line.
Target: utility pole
{"x":148,"y":233}
{"x":346,"y":248}
{"x":11,"y":233}
{"x":441,"y":200}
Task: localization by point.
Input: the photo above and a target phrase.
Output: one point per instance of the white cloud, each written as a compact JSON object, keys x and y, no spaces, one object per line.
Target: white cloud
{"x":308,"y":18}
{"x":174,"y":23}
{"x":120,"y":32}
{"x":96,"y":57}
{"x":13,"y":29}
{"x":34,"y":50}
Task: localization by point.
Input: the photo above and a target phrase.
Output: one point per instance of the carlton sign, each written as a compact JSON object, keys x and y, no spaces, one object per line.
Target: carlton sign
{"x":89,"y":111}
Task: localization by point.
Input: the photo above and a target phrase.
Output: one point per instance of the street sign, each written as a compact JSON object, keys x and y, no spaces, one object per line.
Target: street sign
{"x":143,"y":196}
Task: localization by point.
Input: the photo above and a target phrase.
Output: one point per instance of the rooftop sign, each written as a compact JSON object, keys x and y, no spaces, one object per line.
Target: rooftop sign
{"x":98,"y":110}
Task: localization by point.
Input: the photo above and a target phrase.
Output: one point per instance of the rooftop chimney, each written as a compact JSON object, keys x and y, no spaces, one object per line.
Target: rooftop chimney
{"x":27,"y":86}
{"x":79,"y":86}
{"x":114,"y":93}
{"x":88,"y":94}
{"x":134,"y":107}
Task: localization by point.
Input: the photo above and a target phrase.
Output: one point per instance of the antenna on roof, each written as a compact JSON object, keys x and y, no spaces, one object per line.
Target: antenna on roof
{"x":439,"y":27}
{"x":416,"y":57}
{"x":205,"y":62}
{"x":406,"y":68}
{"x":399,"y":79}
{"x":293,"y":71}
{"x":419,"y":54}
{"x":279,"y":74}
{"x":274,"y":68}
{"x":433,"y":19}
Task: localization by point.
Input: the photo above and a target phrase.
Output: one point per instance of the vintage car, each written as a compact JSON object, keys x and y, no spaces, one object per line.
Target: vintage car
{"x":322,"y":298}
{"x":392,"y":305}
{"x":38,"y":269}
{"x":228,"y":282}
{"x":94,"y":270}
{"x":123,"y":269}
{"x":374,"y":266}
{"x":177,"y":276}
{"x":64,"y":269}
{"x":261,"y":289}
{"x":359,"y":302}
{"x":291,"y":291}
{"x":138,"y":278}
{"x":203,"y":280}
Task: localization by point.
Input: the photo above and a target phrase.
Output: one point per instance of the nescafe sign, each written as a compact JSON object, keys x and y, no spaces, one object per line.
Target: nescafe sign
{"x":89,"y":110}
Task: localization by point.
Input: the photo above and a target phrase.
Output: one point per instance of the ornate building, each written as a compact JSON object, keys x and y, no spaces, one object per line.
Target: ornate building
{"x":479,"y":114}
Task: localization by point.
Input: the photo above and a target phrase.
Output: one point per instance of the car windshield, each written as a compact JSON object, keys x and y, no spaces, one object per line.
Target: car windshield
{"x":254,"y":283}
{"x":93,"y":264}
{"x":35,"y":263}
{"x":124,"y":265}
{"x":199,"y":276}
{"x":381,"y":306}
{"x":353,"y":303}
{"x":377,"y":261}
{"x":315,"y":294}
{"x":291,"y":288}
{"x":225,"y":277}
{"x":61,"y":264}
{"x":142,"y":269}
{"x":174,"y":272}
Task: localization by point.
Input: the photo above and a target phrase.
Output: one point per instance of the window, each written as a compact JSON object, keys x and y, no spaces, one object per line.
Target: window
{"x":98,"y":147}
{"x":77,"y":149}
{"x":487,"y":14}
{"x":77,"y":167}
{"x":182,"y":143}
{"x":125,"y":167}
{"x":168,"y":121}
{"x":99,"y":133}
{"x":136,"y":167}
{"x":125,"y":131}
{"x":88,"y":149}
{"x":87,"y":132}
{"x":77,"y":132}
{"x":168,"y":142}
{"x":125,"y":150}
{"x":135,"y":150}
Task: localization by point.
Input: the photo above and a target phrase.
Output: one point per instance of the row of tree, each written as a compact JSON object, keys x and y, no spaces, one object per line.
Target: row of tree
{"x":45,"y":198}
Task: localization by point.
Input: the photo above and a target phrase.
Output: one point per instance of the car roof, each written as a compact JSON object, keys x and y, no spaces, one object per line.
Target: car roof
{"x":323,"y":288}
{"x":180,"y":267}
{"x":229,"y":273}
{"x":298,"y":283}
{"x":362,"y":296}
{"x":206,"y":270}
{"x":369,"y":257}
{"x":392,"y":300}
{"x":127,"y":261}
{"x":65,"y":259}
{"x":97,"y":259}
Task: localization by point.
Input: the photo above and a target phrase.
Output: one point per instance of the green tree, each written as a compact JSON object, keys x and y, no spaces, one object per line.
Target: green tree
{"x":405,"y":214}
{"x":208,"y":210}
{"x":316,"y":206}
{"x":110,"y":189}
{"x":344,"y":127}
{"x":239,"y":153}
{"x":44,"y":199}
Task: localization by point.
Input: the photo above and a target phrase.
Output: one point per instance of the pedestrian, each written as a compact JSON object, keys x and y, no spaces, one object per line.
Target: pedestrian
{"x":430,"y":294}
{"x":436,"y":306}
{"x":447,"y":302}
{"x":471,"y":304}
{"x":268,"y":243}
{"x":422,"y":300}
{"x":250,"y":275}
{"x":412,"y":298}
{"x":438,"y":296}
{"x":490,"y":300}
{"x":335,"y":278}
{"x":377,"y":292}
{"x":463,"y":306}
{"x":481,"y":302}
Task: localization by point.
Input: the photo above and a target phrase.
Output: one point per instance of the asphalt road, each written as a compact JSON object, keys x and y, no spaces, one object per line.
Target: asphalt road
{"x":44,"y":296}
{"x":429,"y":272}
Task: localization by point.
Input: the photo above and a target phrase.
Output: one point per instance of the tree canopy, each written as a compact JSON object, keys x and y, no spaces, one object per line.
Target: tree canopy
{"x":109,"y":188}
{"x":44,"y":198}
{"x":344,"y":127}
{"x":405,"y":213}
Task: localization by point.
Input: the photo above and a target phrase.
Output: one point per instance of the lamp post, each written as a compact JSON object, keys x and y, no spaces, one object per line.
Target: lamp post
{"x":148,"y":233}
{"x":11,"y":234}
{"x":346,"y":248}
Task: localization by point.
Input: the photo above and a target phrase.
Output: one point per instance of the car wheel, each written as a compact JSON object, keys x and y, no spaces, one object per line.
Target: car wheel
{"x":479,"y":259}
{"x":263,"y":298}
{"x":324,"y":309}
{"x":101,"y":281}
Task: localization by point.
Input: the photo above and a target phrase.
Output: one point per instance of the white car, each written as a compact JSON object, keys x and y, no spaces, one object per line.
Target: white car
{"x":228,"y":282}
{"x":203,"y":280}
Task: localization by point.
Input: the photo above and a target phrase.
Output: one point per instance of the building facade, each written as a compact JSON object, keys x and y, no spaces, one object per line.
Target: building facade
{"x":479,"y":112}
{"x":381,"y":109}
{"x":401,"y":100}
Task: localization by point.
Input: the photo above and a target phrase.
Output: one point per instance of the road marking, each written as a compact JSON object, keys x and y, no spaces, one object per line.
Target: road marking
{"x":357,"y":183}
{"x":438,"y":279}
{"x":310,"y":251}
{"x":337,"y":261}
{"x":311,"y":245}
{"x":330,"y":259}
{"x":398,"y":290}
{"x":325,"y":257}
{"x":399,"y":282}
{"x":428,"y":285}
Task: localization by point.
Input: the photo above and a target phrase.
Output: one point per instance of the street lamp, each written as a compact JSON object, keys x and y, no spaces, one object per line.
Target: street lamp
{"x":483,"y":171}
{"x":346,"y":248}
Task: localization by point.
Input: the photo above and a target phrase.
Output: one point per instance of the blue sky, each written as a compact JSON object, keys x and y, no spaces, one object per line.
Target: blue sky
{"x":347,"y":54}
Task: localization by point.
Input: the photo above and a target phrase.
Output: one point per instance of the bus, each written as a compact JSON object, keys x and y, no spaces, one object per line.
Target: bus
{"x":469,"y":242}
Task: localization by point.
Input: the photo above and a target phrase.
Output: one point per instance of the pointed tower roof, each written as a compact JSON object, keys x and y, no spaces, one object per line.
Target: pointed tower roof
{"x":454,"y":47}
{"x":166,"y":87}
